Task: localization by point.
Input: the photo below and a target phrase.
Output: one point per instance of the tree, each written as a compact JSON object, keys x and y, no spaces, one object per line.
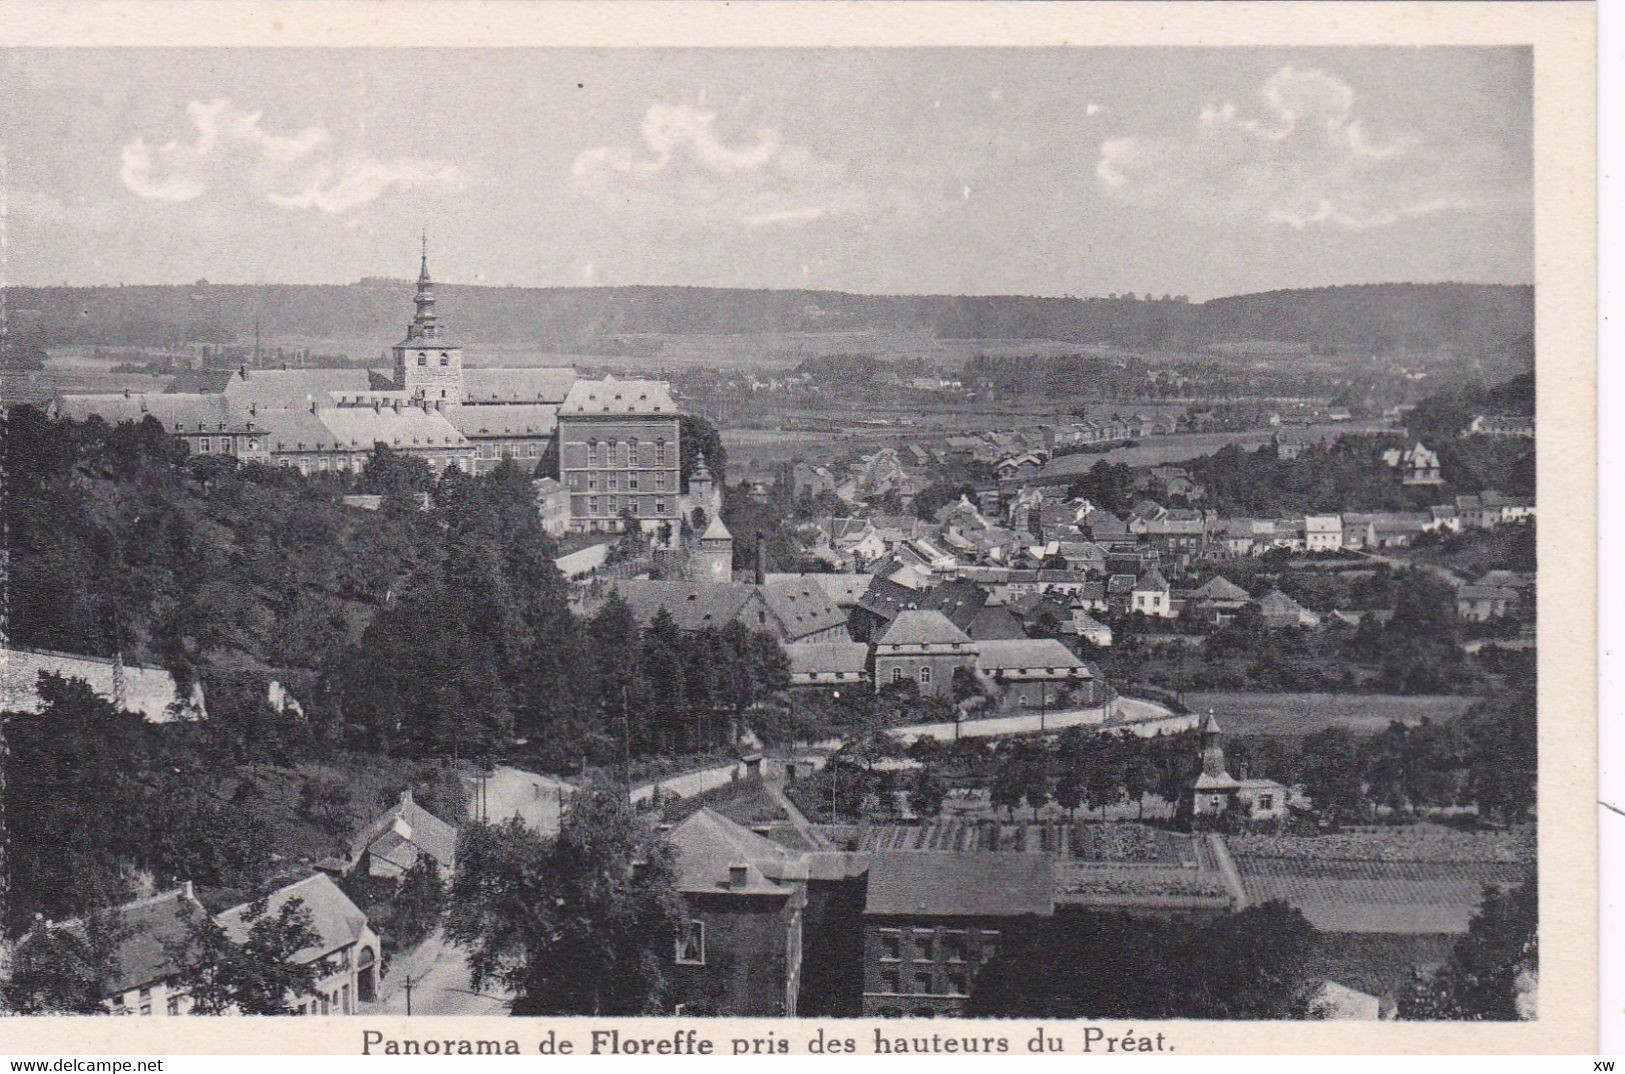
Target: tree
{"x":256,"y":976}
{"x":65,"y":969}
{"x":581,"y":923}
{"x":1007,"y":788}
{"x":416,"y":905}
{"x":696,"y":435}
{"x":1490,"y":969}
{"x":1032,"y":772}
{"x":1331,"y":775}
{"x":925,"y":797}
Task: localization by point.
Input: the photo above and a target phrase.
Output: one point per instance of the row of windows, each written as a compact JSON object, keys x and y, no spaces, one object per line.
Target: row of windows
{"x":922,"y":945}
{"x":623,"y":453}
{"x":612,"y":505}
{"x":923,"y":983}
{"x":507,"y":451}
{"x":335,"y":1002}
{"x":617,"y":482}
{"x":206,"y":445}
{"x":925,"y":675}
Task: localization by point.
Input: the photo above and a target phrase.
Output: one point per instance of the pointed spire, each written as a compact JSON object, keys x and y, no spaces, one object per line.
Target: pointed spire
{"x":423,"y":324}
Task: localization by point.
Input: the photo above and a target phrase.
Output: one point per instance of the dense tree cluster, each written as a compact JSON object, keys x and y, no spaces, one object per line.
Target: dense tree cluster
{"x":1493,"y":971}
{"x":581,"y":923}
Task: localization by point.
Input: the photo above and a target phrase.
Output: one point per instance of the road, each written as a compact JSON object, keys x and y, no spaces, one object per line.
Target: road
{"x":1137,"y":715}
{"x":438,"y":972}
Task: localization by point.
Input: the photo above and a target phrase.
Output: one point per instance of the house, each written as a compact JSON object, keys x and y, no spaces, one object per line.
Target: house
{"x":844,"y":590}
{"x":346,"y":946}
{"x":149,"y":691}
{"x":967,"y":606}
{"x":1280,"y":611}
{"x":1176,"y":481}
{"x":1481,"y":603}
{"x":923,"y":647}
{"x":810,"y":480}
{"x":739,"y":948}
{"x":1501,"y":426}
{"x":553,"y":505}
{"x":399,"y":837}
{"x":790,"y":611}
{"x":154,"y":933}
{"x":1150,"y":595}
{"x":1099,"y":524}
{"x":1323,"y":533}
{"x":1120,"y":592}
{"x":1217,"y":600}
{"x":1339,"y":1002}
{"x":1215,"y":792}
{"x":933,"y":919}
{"x":828,"y":663}
{"x":1418,"y":465}
{"x":1036,"y":672}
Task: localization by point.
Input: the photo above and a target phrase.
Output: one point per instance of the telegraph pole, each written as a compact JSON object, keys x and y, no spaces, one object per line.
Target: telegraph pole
{"x":409,"y":994}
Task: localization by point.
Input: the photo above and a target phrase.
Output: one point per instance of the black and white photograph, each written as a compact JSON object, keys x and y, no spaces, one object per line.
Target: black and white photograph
{"x":827,"y":532}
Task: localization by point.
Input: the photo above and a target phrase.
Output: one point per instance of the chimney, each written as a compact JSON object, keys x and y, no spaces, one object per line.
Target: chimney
{"x":406,"y":797}
{"x":761,"y":560}
{"x":253,"y":409}
{"x":126,"y":393}
{"x":186,"y":890}
{"x":313,"y":406}
{"x":738,"y":875}
{"x":242,"y":371}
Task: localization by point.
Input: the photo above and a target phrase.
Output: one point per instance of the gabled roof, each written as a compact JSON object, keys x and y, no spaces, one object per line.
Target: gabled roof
{"x":149,"y":926}
{"x":338,"y":921}
{"x":1219,"y":588}
{"x":1151,"y":581}
{"x":716,"y":531}
{"x":710,"y":845}
{"x":912,"y":883}
{"x":407,"y":824}
{"x":843,"y":590}
{"x":803,"y":608}
{"x":918,"y":627}
{"x":692,"y":605}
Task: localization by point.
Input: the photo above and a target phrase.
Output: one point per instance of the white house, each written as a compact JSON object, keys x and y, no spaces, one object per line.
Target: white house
{"x":1323,"y":533}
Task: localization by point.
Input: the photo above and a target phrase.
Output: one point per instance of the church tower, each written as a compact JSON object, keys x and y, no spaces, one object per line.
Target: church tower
{"x":428,"y":367}
{"x":1213,"y":763}
{"x":713,"y":557}
{"x":702,"y":489}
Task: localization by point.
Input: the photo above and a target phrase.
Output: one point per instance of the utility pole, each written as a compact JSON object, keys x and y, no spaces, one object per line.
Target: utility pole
{"x":409,"y":994}
{"x":1043,"y":704}
{"x":626,"y":746}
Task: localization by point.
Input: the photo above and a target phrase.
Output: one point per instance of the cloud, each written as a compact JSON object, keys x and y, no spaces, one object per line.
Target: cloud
{"x":230,"y":152}
{"x":1303,"y":159}
{"x":681,"y":168}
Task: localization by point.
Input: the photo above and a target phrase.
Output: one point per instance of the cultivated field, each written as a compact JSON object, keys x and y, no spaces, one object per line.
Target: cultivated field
{"x":1245,"y":713}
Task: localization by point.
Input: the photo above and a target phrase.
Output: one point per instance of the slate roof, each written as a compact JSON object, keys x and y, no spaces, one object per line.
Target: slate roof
{"x":423,"y":831}
{"x":504,"y":419}
{"x":541,"y":384}
{"x":338,"y":921}
{"x":1024,"y":655}
{"x":612,"y":396}
{"x":911,"y":883}
{"x":149,"y":924}
{"x":716,"y":531}
{"x":843,"y":590}
{"x":281,"y":389}
{"x":827,"y":656}
{"x":692,"y":605}
{"x":709,"y":845}
{"x":1151,"y":580}
{"x":1219,"y":588}
{"x":191,"y":413}
{"x":917,"y":627}
{"x":803,"y":608}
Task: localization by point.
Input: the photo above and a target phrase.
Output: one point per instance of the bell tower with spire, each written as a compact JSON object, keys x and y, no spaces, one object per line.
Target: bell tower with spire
{"x":428,"y":367}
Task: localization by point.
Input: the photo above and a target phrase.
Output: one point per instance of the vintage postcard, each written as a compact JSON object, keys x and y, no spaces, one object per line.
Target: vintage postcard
{"x":665,"y":529}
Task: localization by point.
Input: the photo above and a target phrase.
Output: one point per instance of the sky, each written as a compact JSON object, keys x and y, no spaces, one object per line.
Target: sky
{"x":1078,"y":171}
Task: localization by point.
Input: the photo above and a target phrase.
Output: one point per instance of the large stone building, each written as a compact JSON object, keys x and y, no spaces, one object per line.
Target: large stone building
{"x":429,"y":404}
{"x":619,"y":454}
{"x":923,"y":647}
